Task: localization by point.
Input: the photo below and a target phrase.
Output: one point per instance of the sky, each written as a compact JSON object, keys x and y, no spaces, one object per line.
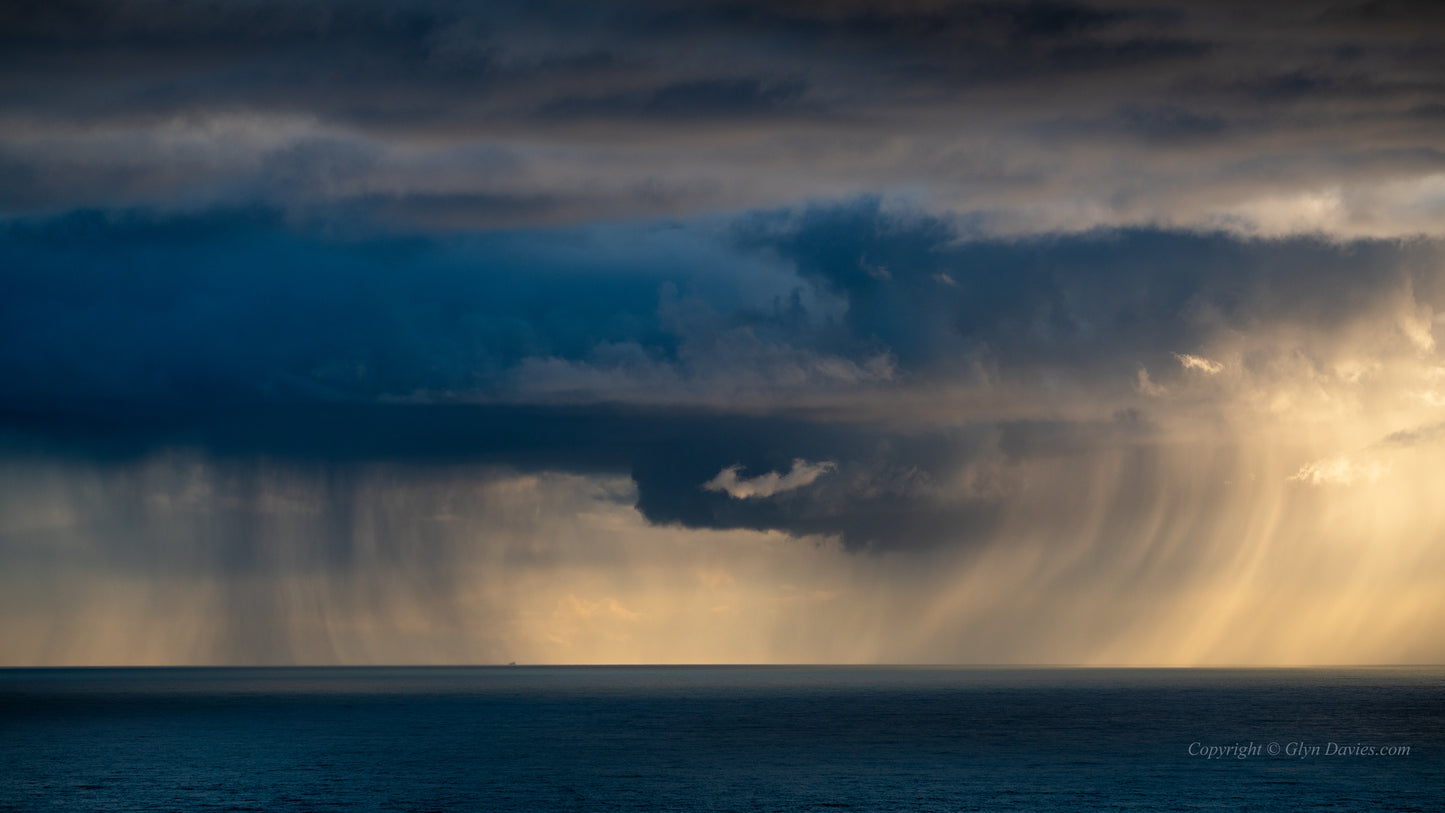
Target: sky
{"x":359,"y":332}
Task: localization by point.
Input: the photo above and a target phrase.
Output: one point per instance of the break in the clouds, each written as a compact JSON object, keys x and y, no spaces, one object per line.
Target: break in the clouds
{"x":978,"y":332}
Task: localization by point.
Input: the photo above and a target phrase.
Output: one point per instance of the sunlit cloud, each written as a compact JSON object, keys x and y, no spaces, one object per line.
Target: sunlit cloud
{"x":766,"y":485}
{"x":1341,"y":471}
{"x":1199,"y":363}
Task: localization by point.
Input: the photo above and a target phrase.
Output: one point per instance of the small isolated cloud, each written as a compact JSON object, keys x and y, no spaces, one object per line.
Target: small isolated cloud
{"x":1340,"y":471}
{"x":1199,"y":363}
{"x":766,"y":485}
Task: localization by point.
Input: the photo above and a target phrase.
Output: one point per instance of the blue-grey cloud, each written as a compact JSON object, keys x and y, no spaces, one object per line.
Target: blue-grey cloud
{"x":1082,"y":303}
{"x":241,"y":307}
{"x":243,"y":337}
{"x":1029,"y":117}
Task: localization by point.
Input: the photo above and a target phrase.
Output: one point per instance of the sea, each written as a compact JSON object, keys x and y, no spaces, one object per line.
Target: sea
{"x":722,"y":738}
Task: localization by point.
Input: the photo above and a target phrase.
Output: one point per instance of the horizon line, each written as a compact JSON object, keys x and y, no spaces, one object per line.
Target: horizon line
{"x":512,"y":665}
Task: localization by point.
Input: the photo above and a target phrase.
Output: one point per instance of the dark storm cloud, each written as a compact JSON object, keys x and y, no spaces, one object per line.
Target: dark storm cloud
{"x":242,"y":337}
{"x":237,"y":305}
{"x":233,"y":305}
{"x":890,"y":489}
{"x":1032,"y":116}
{"x":236,"y":337}
{"x":422,"y":62}
{"x":1090,"y":303}
{"x":378,"y":63}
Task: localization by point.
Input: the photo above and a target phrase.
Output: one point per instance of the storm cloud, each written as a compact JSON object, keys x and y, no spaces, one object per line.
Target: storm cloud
{"x":591,"y":351}
{"x":444,"y":332}
{"x":1013,"y":117}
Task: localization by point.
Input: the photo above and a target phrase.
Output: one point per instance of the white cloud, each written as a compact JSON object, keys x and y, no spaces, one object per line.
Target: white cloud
{"x":1199,"y":363}
{"x":766,"y":485}
{"x":1340,"y":471}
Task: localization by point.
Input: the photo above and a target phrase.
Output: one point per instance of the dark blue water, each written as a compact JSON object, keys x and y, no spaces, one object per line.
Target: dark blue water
{"x":719,"y":738}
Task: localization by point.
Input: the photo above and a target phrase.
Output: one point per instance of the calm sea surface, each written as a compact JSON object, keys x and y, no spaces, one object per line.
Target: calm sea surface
{"x":721,"y":738}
